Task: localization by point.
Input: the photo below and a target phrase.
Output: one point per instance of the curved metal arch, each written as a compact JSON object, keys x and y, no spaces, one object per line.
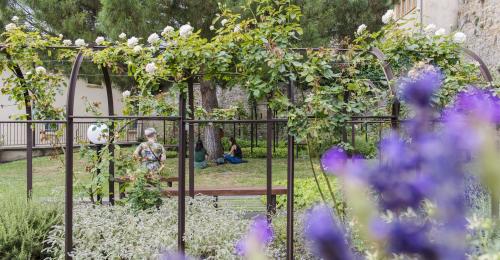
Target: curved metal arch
{"x":70,"y":104}
{"x":386,"y":67}
{"x":29,"y":130}
{"x":389,"y":75}
{"x":485,"y":72}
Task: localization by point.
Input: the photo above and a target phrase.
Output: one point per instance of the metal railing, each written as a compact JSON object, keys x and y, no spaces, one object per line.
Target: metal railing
{"x":13,"y":133}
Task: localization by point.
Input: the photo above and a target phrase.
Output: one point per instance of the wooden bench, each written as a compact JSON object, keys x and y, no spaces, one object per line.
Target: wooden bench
{"x":168,"y":180}
{"x":233,"y":191}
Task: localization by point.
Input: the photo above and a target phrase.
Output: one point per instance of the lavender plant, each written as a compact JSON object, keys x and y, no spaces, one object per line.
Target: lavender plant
{"x":419,"y":185}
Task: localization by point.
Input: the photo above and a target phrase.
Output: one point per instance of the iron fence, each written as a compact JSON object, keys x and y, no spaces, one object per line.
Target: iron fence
{"x":13,"y":133}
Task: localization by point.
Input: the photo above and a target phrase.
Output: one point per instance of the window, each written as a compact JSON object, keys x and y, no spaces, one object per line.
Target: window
{"x":405,"y":7}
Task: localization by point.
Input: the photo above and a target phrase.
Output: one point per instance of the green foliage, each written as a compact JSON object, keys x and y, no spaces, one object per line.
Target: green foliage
{"x":25,"y":50}
{"x":306,"y":192}
{"x":325,"y":20}
{"x":97,"y":162}
{"x":261,"y":152}
{"x":138,"y":18}
{"x":408,"y":49}
{"x":144,"y":194}
{"x":24,"y":226}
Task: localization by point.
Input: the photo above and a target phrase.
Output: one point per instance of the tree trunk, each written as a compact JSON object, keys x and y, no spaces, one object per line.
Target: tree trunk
{"x":212,"y":141}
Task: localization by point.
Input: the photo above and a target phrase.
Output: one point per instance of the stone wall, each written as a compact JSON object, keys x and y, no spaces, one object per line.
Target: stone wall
{"x":480,"y":20}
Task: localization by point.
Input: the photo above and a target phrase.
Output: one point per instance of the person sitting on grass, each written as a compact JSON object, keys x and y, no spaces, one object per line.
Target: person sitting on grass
{"x":151,"y":153}
{"x":200,"y":156}
{"x":235,"y":154}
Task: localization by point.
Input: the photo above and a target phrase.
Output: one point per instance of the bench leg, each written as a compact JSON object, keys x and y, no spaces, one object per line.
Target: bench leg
{"x":272,"y":205}
{"x":122,"y":193}
{"x":216,"y":199}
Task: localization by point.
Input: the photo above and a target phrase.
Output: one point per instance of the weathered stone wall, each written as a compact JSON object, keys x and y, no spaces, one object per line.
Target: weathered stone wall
{"x":480,"y":20}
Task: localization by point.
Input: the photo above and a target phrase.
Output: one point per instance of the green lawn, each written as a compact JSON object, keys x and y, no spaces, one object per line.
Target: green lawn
{"x":48,"y":175}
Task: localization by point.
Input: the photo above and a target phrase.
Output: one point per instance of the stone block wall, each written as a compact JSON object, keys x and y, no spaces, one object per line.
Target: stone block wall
{"x":480,"y":20}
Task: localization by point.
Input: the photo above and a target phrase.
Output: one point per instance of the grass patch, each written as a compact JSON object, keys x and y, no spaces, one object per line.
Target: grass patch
{"x":48,"y":175}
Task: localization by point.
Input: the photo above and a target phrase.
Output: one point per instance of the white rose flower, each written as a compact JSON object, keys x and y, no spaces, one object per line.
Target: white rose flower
{"x":99,"y":40}
{"x":171,"y":43}
{"x":80,"y":43}
{"x":237,"y":28}
{"x":150,"y":68}
{"x":223,"y":22}
{"x":126,"y":94}
{"x":15,"y":19}
{"x":122,"y":36}
{"x":40,"y":70}
{"x":169,"y":29}
{"x":186,"y":30}
{"x":440,"y":32}
{"x":153,"y":38}
{"x":61,"y":36}
{"x":430,"y":28}
{"x":137,"y":49}
{"x":212,"y":28}
{"x":67,"y":42}
{"x":10,"y":27}
{"x":132,"y":42}
{"x":361,"y":29}
{"x":459,"y":37}
{"x":388,"y":16}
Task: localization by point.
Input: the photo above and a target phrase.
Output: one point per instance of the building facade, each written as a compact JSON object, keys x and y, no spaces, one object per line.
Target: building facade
{"x":478,"y":19}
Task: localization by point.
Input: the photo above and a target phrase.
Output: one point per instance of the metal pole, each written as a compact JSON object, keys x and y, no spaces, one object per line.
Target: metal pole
{"x":275,"y":133}
{"x":251,"y":134}
{"x":256,"y":125}
{"x":181,"y":218}
{"x":111,"y":146}
{"x":29,"y":157}
{"x":164,"y":132}
{"x":191,"y":138}
{"x":68,"y":209}
{"x":98,"y":171}
{"x":290,"y":186}
{"x":269,"y":162}
{"x":29,"y":130}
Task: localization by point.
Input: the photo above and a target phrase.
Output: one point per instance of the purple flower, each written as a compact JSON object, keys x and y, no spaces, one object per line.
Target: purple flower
{"x":260,"y":232}
{"x":172,"y":255}
{"x":419,"y":92}
{"x":334,"y":160}
{"x":411,"y":238}
{"x":478,"y":103}
{"x":326,"y":234}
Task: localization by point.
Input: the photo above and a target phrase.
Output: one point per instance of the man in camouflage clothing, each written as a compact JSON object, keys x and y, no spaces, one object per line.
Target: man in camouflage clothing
{"x":151,"y":153}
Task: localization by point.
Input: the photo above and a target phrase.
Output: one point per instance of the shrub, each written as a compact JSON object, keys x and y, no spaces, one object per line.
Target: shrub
{"x":306,"y":192}
{"x":24,"y":226}
{"x":121,"y":233}
{"x":259,"y":152}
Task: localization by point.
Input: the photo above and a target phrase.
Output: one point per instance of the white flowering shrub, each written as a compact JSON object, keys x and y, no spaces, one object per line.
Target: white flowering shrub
{"x":102,"y":232}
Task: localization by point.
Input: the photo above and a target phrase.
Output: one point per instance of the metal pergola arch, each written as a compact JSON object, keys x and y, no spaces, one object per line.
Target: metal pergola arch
{"x":182,"y":143}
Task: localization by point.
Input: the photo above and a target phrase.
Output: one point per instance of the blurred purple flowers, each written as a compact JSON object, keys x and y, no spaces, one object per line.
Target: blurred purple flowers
{"x":172,"y":255}
{"x":259,"y":235}
{"x":419,"y":91}
{"x":327,"y":234}
{"x":422,"y":165}
{"x":334,"y":160}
